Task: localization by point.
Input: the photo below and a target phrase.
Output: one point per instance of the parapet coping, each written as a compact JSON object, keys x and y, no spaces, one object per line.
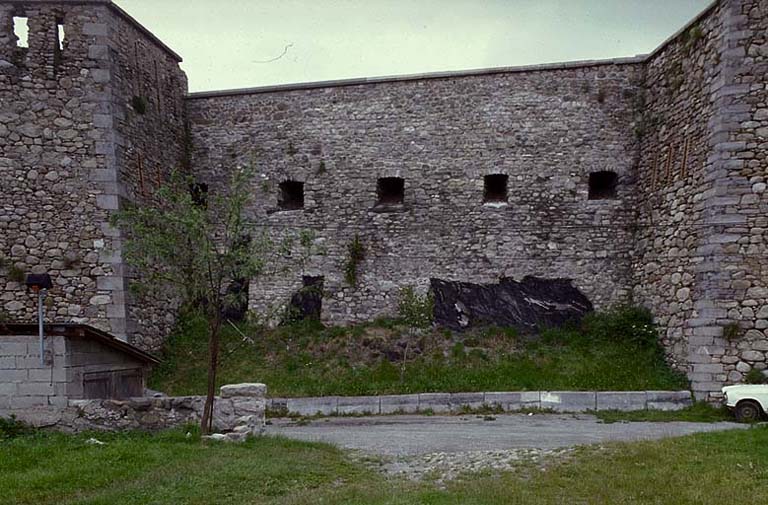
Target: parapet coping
{"x":632,"y":60}
{"x":356,"y":81}
{"x":116,"y":9}
{"x":511,"y":401}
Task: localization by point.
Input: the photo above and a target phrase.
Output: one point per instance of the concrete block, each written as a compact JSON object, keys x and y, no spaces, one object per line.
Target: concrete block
{"x":13,"y":348}
{"x":25,"y":402}
{"x":568,"y":401}
{"x":13,"y":375}
{"x":7,"y":363}
{"x":358,"y":405}
{"x":460,"y":401}
{"x":621,"y":400}
{"x":436,"y":402}
{"x":35,"y":388}
{"x":513,"y":401}
{"x":8,"y":388}
{"x":668,"y":400}
{"x":56,"y":374}
{"x":326,"y":405}
{"x":407,"y":404}
{"x":31,"y":361}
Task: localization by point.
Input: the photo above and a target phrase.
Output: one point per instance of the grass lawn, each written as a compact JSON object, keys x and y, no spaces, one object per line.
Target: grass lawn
{"x":616,"y":351}
{"x":168,"y":468}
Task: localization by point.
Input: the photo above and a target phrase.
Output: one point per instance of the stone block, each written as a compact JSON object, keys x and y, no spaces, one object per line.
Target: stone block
{"x":247,"y":406}
{"x":668,"y":400}
{"x":8,"y":388}
{"x":461,"y":401}
{"x":568,"y":401}
{"x":510,"y":402}
{"x":326,"y":405}
{"x":436,"y":402}
{"x":7,"y":363}
{"x":407,"y":404}
{"x":358,"y":405}
{"x":95,"y":29}
{"x":248,"y":389}
{"x":621,"y":400}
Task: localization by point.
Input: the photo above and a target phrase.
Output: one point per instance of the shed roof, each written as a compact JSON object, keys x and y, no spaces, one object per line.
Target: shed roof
{"x":72,"y":330}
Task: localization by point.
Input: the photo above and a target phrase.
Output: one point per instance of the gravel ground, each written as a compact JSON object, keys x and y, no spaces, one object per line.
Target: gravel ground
{"x":444,"y":447}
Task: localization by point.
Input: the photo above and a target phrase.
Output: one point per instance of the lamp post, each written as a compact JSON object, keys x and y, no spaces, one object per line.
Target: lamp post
{"x":40,"y":284}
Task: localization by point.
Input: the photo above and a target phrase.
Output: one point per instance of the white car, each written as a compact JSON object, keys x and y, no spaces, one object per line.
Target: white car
{"x":749,"y":402}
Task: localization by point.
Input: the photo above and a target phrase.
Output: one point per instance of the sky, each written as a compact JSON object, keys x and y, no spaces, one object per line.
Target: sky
{"x":228,"y":44}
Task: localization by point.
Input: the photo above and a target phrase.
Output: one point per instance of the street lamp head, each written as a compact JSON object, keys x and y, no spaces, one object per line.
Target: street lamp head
{"x":38,"y":282}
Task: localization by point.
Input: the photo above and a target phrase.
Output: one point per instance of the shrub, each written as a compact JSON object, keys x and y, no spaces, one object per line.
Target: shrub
{"x":731,"y":331}
{"x":628,"y":324}
{"x":16,"y":274}
{"x":416,"y":311}
{"x":12,"y":428}
{"x":356,"y":254}
{"x":755,"y":376}
{"x":140,"y":104}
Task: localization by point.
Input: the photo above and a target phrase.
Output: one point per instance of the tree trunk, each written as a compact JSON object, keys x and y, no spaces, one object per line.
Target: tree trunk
{"x":206,"y":423}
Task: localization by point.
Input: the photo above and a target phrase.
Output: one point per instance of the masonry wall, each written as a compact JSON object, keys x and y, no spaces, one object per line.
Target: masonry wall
{"x":546,"y":129}
{"x":674,"y":174}
{"x":53,"y":156}
{"x":68,"y":155}
{"x":701,"y":236}
{"x":148,"y":147}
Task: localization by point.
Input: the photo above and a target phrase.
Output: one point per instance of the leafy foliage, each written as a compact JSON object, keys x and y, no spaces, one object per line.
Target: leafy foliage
{"x":625,"y":324}
{"x":198,"y":250}
{"x":755,"y":376}
{"x":355,"y":256}
{"x":140,"y":105}
{"x":416,"y":311}
{"x":12,"y":428}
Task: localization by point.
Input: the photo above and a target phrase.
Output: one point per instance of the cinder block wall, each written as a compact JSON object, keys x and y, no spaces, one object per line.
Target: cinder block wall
{"x":25,"y":382}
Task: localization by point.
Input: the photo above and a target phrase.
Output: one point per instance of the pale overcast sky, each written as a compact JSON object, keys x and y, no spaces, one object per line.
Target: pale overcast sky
{"x":228,"y":43}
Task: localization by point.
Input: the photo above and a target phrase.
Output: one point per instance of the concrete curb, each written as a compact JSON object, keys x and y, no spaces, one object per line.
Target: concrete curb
{"x":442,"y":403}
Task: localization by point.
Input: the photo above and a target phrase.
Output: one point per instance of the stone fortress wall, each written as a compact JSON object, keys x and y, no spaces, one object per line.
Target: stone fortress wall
{"x":545,"y":130}
{"x":72,"y":146}
{"x":683,"y":130}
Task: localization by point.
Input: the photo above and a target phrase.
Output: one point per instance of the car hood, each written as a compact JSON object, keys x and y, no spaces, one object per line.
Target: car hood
{"x":747,"y":389}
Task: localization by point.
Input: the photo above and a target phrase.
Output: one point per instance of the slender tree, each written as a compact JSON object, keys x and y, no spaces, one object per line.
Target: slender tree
{"x":198,"y":245}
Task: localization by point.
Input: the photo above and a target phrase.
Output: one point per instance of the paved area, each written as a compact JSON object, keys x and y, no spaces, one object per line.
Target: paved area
{"x":407,"y":436}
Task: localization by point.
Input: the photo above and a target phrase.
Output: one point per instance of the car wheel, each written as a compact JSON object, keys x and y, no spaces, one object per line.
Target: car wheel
{"x":748,"y":411}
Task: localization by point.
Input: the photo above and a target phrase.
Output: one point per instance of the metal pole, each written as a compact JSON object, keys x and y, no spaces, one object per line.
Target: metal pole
{"x":40,"y":317}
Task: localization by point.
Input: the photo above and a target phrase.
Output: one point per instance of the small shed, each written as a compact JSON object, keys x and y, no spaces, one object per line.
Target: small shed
{"x":79,"y":362}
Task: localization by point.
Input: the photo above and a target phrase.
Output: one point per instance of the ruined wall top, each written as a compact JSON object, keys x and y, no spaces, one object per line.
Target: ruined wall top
{"x":107,"y":3}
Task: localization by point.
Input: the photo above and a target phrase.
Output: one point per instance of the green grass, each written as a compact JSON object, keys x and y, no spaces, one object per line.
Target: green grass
{"x":609,"y":352}
{"x":169,"y":468}
{"x":698,"y":413}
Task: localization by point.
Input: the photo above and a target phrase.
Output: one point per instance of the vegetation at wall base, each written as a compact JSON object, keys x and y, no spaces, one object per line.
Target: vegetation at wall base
{"x":616,"y":350}
{"x":173,"y":467}
{"x":700,"y":412}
